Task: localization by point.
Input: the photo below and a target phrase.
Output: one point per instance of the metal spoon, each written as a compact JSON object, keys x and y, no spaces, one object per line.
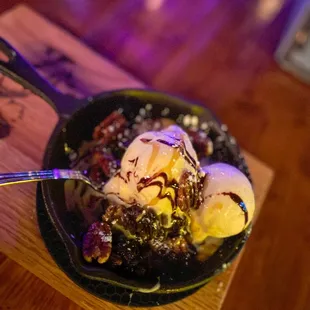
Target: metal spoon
{"x":43,"y":175}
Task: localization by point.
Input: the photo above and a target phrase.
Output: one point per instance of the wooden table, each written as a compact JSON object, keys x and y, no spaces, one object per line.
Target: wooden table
{"x":26,"y":123}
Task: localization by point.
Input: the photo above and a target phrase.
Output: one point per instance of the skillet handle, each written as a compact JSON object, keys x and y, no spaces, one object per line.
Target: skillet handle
{"x":21,"y":71}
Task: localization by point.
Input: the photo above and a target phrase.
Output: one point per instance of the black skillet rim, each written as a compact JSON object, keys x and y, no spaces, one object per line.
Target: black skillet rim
{"x":106,"y":291}
{"x":181,"y":102}
{"x":23,"y":73}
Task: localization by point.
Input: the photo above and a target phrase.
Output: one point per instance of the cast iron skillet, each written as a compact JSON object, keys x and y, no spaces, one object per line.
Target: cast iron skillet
{"x":77,"y":119}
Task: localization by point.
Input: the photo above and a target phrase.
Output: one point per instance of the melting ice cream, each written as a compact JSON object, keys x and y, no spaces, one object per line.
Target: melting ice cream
{"x":228,"y":204}
{"x":151,"y":172}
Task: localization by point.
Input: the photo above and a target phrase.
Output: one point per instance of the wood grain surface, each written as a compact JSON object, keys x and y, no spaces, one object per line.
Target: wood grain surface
{"x":28,"y":122}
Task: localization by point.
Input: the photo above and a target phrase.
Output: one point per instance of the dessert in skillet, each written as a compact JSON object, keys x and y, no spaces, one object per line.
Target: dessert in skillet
{"x":158,"y":204}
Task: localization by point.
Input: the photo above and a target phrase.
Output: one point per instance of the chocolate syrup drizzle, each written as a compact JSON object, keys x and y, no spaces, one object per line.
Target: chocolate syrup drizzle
{"x":144,"y":140}
{"x":118,"y":174}
{"x":134,"y":161}
{"x":181,"y":145}
{"x":129,"y":173}
{"x":237,"y":199}
{"x":149,"y":181}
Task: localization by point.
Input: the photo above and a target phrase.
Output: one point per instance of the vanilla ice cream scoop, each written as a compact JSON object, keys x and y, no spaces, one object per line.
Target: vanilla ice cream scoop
{"x":151,"y":169}
{"x":228,"y":204}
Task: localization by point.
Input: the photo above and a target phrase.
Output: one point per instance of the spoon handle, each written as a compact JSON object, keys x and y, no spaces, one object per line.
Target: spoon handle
{"x":37,"y":176}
